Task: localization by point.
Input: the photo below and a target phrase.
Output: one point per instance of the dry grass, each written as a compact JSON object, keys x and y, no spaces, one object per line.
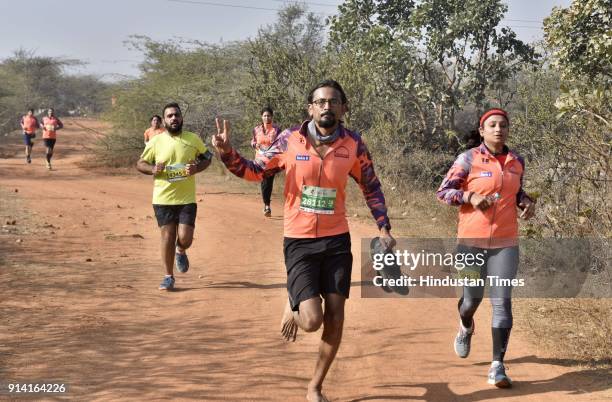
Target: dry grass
{"x":115,"y":150}
{"x":11,"y":144}
{"x":575,"y":329}
{"x":413,"y":211}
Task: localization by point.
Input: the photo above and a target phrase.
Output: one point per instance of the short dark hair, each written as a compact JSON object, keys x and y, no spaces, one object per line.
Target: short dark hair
{"x":330,"y":84}
{"x":169,"y":105}
{"x":158,"y":117}
{"x":31,"y":110}
{"x":267,"y":109}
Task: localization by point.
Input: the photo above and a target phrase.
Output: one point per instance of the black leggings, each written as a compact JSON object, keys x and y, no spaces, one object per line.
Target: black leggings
{"x":266,"y":189}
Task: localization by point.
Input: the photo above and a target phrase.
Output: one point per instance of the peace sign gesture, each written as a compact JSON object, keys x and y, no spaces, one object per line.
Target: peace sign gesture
{"x":221,"y":140}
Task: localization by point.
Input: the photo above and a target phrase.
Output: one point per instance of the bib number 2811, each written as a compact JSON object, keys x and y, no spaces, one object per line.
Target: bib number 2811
{"x":318,"y":200}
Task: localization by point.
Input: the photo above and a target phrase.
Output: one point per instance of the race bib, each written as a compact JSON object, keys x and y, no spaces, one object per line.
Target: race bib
{"x":49,"y":127}
{"x":318,"y":200}
{"x":176,"y":172}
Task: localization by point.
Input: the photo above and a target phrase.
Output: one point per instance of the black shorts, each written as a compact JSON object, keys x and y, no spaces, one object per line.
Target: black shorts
{"x":184,"y":214}
{"x":49,"y":142}
{"x":317,"y":266}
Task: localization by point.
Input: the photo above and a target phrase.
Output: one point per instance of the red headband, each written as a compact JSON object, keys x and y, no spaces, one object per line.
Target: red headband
{"x":493,"y":112}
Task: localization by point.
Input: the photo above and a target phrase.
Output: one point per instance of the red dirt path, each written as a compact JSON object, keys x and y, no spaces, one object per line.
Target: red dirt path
{"x":103,"y":327}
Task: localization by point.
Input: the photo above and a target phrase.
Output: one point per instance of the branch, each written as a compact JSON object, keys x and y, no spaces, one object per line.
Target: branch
{"x":596,"y":116}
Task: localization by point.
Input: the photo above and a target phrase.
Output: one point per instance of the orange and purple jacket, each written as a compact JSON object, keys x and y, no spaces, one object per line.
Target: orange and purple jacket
{"x":292,"y":152}
{"x":477,"y":170}
{"x":264,"y":136}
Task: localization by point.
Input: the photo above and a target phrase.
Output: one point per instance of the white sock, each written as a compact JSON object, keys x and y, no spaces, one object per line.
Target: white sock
{"x":464,"y":329}
{"x":496,"y":363}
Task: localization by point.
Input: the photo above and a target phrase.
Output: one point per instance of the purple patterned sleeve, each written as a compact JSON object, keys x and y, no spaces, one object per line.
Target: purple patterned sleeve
{"x":451,"y":189}
{"x":255,"y":170}
{"x":363,"y":173}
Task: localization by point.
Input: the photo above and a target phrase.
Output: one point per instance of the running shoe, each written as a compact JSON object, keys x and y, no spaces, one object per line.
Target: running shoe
{"x":498,"y":377}
{"x":182,"y":262}
{"x":167,"y":283}
{"x":28,"y":159}
{"x":49,"y":165}
{"x":267,"y":211}
{"x":463,"y":340}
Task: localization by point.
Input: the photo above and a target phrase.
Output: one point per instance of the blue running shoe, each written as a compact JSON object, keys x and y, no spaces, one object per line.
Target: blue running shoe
{"x":463,"y":340}
{"x":167,"y":283}
{"x":182,"y":262}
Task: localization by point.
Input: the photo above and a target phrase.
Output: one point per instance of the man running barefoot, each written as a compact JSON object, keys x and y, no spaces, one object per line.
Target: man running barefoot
{"x":29,"y":124}
{"x":318,"y":157}
{"x":174,"y":157}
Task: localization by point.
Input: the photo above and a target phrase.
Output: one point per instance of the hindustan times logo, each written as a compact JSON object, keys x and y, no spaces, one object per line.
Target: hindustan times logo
{"x":415,"y":260}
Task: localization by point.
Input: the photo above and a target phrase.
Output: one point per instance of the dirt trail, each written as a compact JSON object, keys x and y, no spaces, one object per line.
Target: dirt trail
{"x":102,"y":326}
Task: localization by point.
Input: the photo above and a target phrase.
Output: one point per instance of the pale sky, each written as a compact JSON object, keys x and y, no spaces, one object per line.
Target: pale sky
{"x":95,"y":30}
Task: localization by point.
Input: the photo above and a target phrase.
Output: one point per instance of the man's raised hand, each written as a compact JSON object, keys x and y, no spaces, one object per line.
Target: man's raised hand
{"x":221,"y":140}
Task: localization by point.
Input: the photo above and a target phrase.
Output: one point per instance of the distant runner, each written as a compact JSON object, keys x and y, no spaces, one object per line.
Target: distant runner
{"x":50,"y":125}
{"x":486,"y":182}
{"x":155,"y":129}
{"x":318,"y":157}
{"x":29,"y":124}
{"x":174,"y":157}
{"x":264,"y":135}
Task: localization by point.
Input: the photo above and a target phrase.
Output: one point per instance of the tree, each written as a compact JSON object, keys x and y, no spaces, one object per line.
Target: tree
{"x":204,"y":79}
{"x":581,"y":39}
{"x":440,"y":55}
{"x":287,"y":60}
{"x":30,"y":81}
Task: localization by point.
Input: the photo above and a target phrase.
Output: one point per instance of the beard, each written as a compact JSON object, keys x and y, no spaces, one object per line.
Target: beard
{"x":176,"y":129}
{"x":327,"y":120}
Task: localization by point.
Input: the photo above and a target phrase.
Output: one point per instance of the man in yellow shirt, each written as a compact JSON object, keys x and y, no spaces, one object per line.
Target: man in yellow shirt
{"x":174,"y":157}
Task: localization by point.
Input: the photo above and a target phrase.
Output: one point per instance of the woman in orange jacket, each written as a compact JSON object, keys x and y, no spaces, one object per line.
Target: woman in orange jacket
{"x":264,"y":135}
{"x":155,"y":128}
{"x":486,"y":183}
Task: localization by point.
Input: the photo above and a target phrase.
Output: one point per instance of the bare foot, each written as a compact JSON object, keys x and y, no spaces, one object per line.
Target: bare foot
{"x":288,"y":325}
{"x":315,"y":395}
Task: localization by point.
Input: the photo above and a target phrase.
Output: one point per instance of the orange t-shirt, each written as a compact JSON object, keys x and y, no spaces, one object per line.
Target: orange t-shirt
{"x":29,"y":124}
{"x":50,"y":126}
{"x":152,"y":132}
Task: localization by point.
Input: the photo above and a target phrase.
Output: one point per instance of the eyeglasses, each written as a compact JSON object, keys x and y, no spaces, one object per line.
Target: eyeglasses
{"x":322,"y":102}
